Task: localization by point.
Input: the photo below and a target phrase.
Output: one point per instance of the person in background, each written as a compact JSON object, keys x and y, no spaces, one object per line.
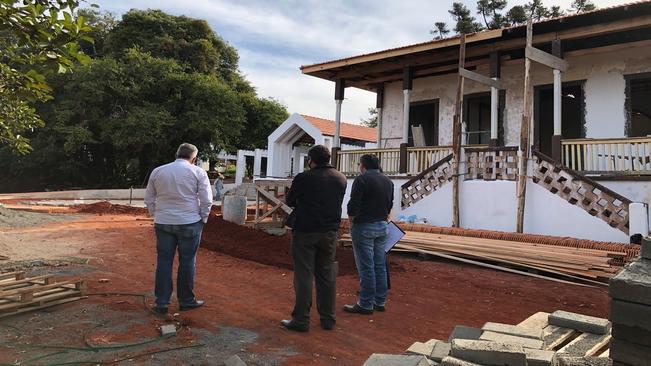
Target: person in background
{"x":179,"y":198}
{"x":316,"y":196}
{"x":371,"y":199}
{"x":219,"y":186}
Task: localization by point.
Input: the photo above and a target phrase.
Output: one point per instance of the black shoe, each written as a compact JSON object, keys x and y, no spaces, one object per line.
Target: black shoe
{"x":356,"y":309}
{"x":197,"y":304}
{"x":291,"y":325}
{"x":379,"y":308}
{"x":159,"y":310}
{"x":327,"y":324}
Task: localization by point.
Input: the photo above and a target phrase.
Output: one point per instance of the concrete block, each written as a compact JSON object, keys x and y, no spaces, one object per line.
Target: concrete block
{"x":554,"y":336}
{"x":535,"y":321}
{"x":451,"y":361}
{"x":440,"y":351}
{"x":234,"y":360}
{"x":538,"y":357}
{"x":580,"y":322}
{"x":585,"y":344}
{"x":464,"y":332}
{"x":646,"y":247}
{"x":631,"y":314}
{"x":488,"y":353}
{"x":377,"y":359}
{"x":633,"y":283}
{"x":420,"y":348}
{"x":630,"y":334}
{"x":629,"y":353}
{"x":583,"y":361}
{"x":510,"y":339}
{"x":513,"y":330}
{"x":168,"y":329}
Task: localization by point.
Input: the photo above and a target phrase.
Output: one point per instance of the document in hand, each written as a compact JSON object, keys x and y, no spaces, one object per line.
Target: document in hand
{"x":395,"y":233}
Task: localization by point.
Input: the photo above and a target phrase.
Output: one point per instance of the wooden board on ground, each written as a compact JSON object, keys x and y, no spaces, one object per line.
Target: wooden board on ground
{"x":19,"y":294}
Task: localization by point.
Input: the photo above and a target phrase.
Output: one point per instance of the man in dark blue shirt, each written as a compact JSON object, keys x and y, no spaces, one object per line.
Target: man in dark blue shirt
{"x":369,"y":207}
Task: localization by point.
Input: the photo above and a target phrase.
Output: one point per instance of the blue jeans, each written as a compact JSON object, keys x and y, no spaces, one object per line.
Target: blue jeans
{"x":370,"y":258}
{"x":169,"y":238}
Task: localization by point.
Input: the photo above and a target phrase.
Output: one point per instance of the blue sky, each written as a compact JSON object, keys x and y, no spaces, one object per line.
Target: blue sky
{"x":274,"y":38}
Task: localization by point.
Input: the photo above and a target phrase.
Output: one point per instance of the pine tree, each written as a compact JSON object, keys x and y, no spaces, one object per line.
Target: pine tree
{"x":580,"y":6}
{"x":536,"y":10}
{"x":440,"y":31}
{"x":465,"y":23}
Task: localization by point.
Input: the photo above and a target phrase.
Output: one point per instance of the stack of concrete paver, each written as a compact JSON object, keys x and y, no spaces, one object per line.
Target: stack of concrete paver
{"x":630,"y":311}
{"x":560,"y":338}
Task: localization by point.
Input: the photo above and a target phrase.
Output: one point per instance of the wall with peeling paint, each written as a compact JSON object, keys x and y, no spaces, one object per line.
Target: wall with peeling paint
{"x":604,"y":90}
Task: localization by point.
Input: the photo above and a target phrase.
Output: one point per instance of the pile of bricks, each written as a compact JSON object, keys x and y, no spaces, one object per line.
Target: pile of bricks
{"x":630,"y":311}
{"x":560,"y":338}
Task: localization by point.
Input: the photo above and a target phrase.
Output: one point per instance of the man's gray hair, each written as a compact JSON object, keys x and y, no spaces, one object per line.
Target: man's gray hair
{"x":186,"y":151}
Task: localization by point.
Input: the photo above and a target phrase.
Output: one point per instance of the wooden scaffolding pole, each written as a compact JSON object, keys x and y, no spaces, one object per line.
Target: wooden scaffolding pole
{"x":456,"y":134}
{"x":525,"y":144}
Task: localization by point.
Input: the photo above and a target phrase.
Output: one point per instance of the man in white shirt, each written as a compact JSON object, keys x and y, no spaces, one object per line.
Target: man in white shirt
{"x":179,"y":197}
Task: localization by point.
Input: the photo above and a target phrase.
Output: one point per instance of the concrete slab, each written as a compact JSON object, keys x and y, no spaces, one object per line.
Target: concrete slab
{"x":440,"y":351}
{"x":513,"y":330}
{"x":510,"y":339}
{"x":465,"y":332}
{"x":535,"y":321}
{"x":629,"y":353}
{"x":583,"y":361}
{"x":585,"y":345}
{"x":631,"y":314}
{"x":452,"y":361}
{"x":420,"y":348}
{"x":630,"y":334}
{"x":488,"y":353}
{"x":235,"y":360}
{"x":580,"y":322}
{"x":646,"y":248}
{"x":377,"y":359}
{"x":633,"y":283}
{"x":537,"y":357}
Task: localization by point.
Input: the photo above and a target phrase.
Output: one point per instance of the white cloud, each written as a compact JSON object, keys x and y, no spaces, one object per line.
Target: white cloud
{"x":275,"y":37}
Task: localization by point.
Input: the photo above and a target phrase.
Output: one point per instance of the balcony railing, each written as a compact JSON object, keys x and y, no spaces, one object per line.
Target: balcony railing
{"x":418,"y":159}
{"x":617,"y":156}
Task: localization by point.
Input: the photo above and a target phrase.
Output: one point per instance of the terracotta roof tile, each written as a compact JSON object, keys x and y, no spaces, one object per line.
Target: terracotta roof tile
{"x":348,"y":130}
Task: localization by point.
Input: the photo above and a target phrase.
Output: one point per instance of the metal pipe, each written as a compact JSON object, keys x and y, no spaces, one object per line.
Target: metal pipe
{"x":558,"y":103}
{"x":336,"y":140}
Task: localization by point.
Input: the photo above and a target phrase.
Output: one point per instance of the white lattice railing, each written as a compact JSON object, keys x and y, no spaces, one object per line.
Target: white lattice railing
{"x":347,"y":160}
{"x":625,"y":155}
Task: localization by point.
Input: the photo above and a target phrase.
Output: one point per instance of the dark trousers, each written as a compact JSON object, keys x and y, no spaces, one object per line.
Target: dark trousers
{"x":314,"y":257}
{"x":186,"y":239}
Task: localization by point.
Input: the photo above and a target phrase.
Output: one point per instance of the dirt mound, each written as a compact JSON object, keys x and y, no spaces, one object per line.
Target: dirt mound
{"x":257,"y":246}
{"x":105,"y":207}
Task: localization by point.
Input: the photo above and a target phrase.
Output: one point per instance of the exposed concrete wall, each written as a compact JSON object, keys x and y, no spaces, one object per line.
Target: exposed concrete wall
{"x":637,"y":191}
{"x":604,"y":91}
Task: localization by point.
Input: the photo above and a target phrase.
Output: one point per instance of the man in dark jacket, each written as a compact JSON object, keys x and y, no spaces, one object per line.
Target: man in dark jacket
{"x":316,"y":196}
{"x":369,"y":207}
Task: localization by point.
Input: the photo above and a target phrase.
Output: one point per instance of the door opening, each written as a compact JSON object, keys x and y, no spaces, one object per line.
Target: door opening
{"x":424,"y":116}
{"x":572,"y":114}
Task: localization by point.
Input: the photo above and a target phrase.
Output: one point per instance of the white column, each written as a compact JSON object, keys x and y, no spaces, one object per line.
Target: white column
{"x":405,"y":115}
{"x":638,"y":219}
{"x":240,"y":168}
{"x":379,"y":128}
{"x":558,"y":103}
{"x":257,"y":163}
{"x":494,"y":111}
{"x":336,"y":141}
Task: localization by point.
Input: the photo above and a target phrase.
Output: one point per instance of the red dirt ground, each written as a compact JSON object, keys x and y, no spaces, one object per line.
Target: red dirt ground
{"x":105,"y":207}
{"x":427,"y":299}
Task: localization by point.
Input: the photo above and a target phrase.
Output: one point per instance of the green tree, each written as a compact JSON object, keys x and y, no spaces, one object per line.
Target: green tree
{"x":371,"y":121}
{"x":579,"y":6}
{"x":36,"y":37}
{"x":556,"y":11}
{"x":516,"y":15}
{"x":440,"y":31}
{"x":490,"y":10}
{"x":465,"y":23}
{"x":101,"y":23}
{"x":536,"y":10}
{"x":263,"y":116}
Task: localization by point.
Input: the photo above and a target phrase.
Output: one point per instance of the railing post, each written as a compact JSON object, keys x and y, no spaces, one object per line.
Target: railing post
{"x":404,"y":158}
{"x":334,"y":157}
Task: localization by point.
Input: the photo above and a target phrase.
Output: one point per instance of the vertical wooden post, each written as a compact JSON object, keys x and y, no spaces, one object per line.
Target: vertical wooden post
{"x":525,"y":144}
{"x":456,"y":135}
{"x":379,"y":103}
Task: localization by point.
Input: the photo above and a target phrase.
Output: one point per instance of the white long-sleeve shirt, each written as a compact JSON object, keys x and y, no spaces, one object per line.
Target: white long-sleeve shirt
{"x":178,"y":193}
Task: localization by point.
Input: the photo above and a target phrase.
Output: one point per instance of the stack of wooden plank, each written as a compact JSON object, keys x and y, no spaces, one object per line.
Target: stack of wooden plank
{"x":592,"y":264}
{"x":19,"y":294}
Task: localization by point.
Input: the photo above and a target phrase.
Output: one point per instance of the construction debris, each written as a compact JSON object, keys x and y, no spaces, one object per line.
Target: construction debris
{"x":396,"y":360}
{"x":532,"y":342}
{"x":19,"y":294}
{"x":234,"y":360}
{"x":168,"y":329}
